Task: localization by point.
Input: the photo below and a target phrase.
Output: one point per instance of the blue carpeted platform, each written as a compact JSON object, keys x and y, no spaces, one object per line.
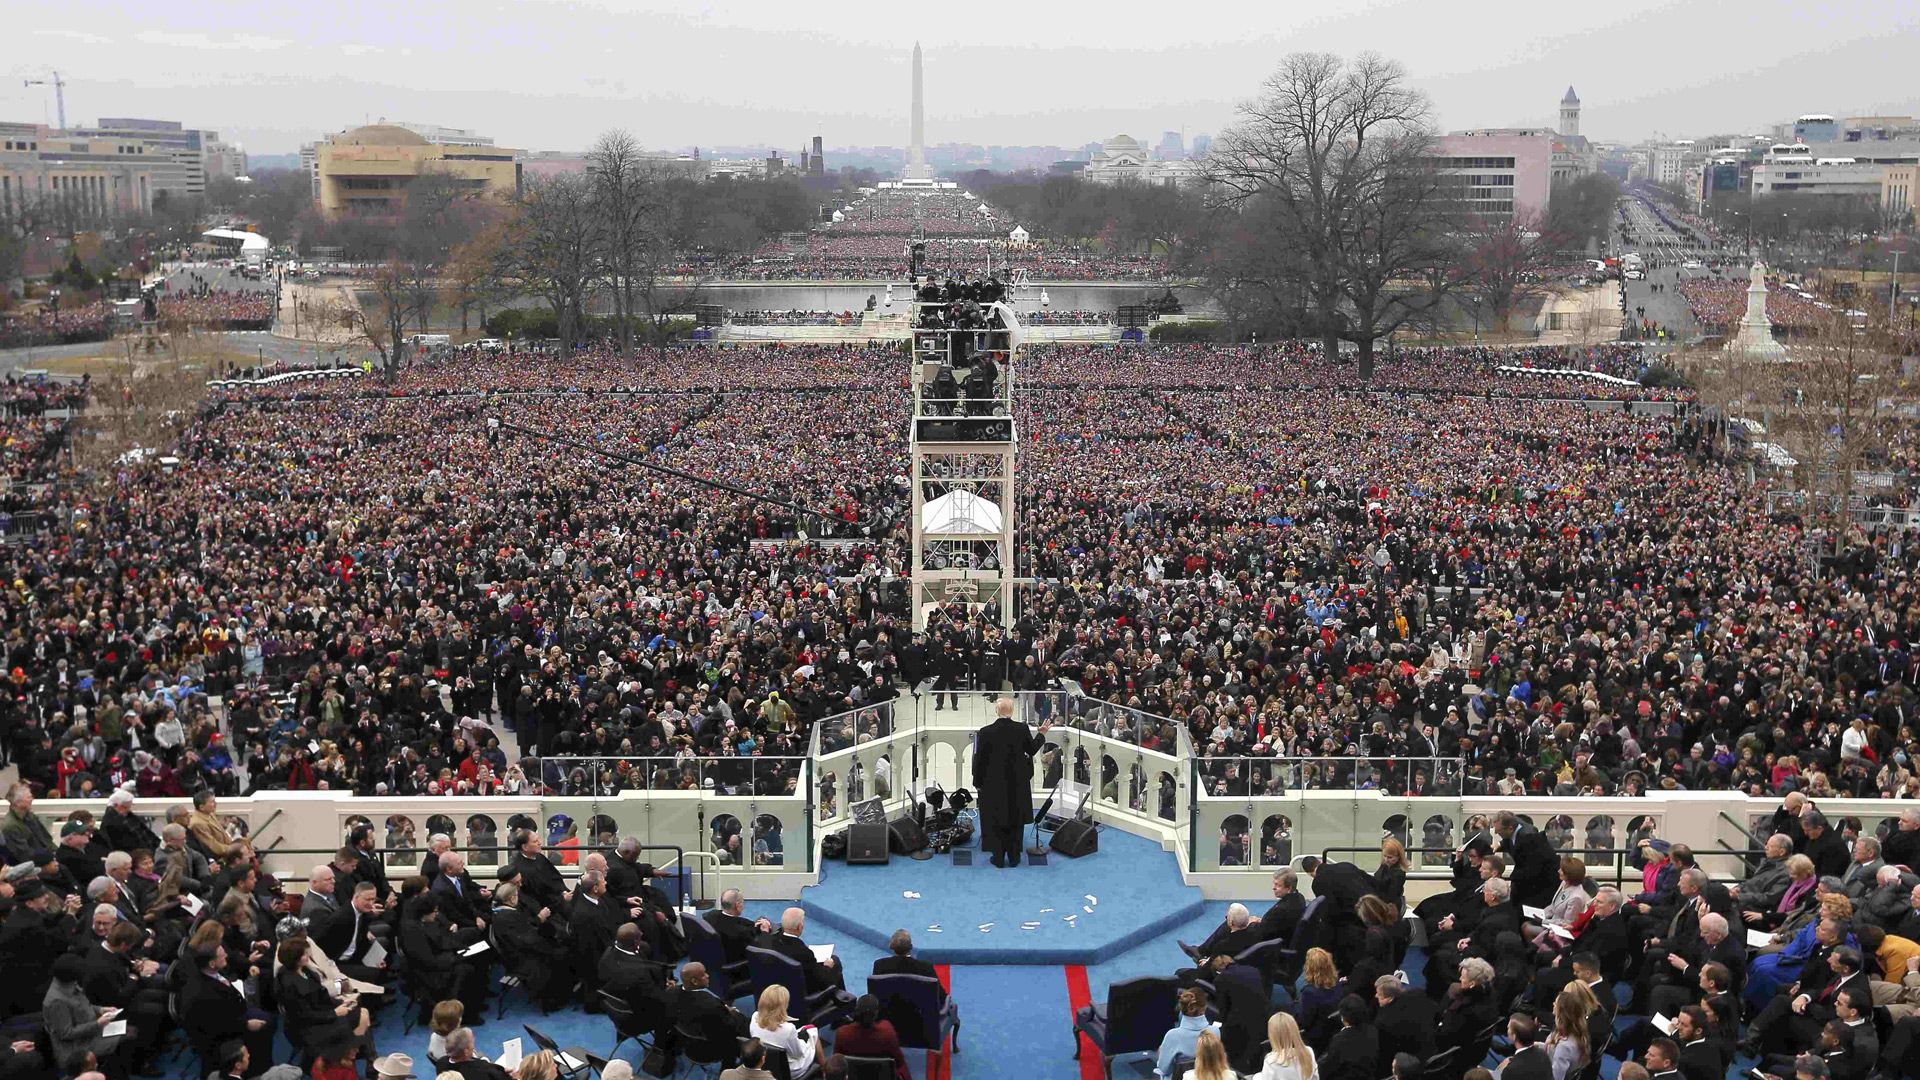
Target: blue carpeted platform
{"x":1137,"y":884}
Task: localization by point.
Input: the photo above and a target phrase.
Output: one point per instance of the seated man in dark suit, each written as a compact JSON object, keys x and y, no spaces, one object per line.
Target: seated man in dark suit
{"x":701,"y":1012}
{"x":463,"y":903}
{"x":1405,"y":1020}
{"x":1605,"y":937}
{"x":214,"y":1011}
{"x":1288,"y":905}
{"x":1352,"y":1054}
{"x":462,"y":1059}
{"x":1679,"y":983}
{"x":539,"y":879}
{"x":1795,"y":1016}
{"x":526,"y":952}
{"x":903,"y":962}
{"x":1497,"y":916}
{"x":350,"y":936}
{"x":787,"y":942}
{"x":1699,"y":1058}
{"x":113,"y":977}
{"x":1530,"y":1061}
{"x":434,"y":963}
{"x":1234,"y":934}
{"x":628,"y":973}
{"x":735,"y":930}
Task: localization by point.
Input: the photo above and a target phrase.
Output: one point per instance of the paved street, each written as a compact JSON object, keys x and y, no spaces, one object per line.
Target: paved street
{"x":267,"y":346}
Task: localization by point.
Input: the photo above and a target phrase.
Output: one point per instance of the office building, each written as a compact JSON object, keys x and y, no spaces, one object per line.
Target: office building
{"x":1500,"y":174}
{"x":95,"y":179}
{"x":310,"y":164}
{"x":1878,"y":128}
{"x":366,"y":171}
{"x":1201,"y":144}
{"x":1173,"y":146}
{"x":1899,"y":186}
{"x":226,"y":159}
{"x":1816,"y":128}
{"x":186,"y":145}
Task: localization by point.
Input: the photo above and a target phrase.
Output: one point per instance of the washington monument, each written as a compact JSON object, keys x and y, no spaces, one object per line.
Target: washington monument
{"x":917,"y":149}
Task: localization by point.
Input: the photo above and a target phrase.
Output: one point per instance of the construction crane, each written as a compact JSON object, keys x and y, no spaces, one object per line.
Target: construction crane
{"x":59,"y":94}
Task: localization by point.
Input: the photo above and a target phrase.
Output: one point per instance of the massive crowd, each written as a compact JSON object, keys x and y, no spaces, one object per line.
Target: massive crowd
{"x":1718,"y":304}
{"x":1624,"y":608}
{"x":218,"y":309}
{"x":50,"y":325}
{"x":1239,"y":543}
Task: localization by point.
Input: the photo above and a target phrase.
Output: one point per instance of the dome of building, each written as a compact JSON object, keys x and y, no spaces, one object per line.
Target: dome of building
{"x":383,"y":135}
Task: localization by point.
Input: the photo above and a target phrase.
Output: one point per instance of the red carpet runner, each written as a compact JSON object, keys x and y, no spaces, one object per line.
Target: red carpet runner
{"x":1079,"y":996}
{"x":933,"y":1056}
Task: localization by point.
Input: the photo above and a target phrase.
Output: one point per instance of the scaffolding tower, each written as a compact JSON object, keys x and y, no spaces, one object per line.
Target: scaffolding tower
{"x":964,"y":446}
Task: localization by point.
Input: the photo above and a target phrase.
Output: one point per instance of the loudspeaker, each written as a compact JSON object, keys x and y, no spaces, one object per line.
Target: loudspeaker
{"x":905,"y":836}
{"x":1076,"y":838}
{"x":867,"y":843}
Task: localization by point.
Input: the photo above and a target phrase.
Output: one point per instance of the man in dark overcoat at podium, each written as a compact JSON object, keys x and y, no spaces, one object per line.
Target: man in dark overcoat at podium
{"x":1003,"y":781}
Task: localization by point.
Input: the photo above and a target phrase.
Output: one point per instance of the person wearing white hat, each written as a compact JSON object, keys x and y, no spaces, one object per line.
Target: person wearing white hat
{"x":394,"y":1066}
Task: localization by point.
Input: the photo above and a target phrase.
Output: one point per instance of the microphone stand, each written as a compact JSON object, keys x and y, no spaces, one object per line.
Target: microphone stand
{"x":1039,"y":848}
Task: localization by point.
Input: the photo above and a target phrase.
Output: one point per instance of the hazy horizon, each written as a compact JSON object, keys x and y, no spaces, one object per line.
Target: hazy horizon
{"x":273,"y":76}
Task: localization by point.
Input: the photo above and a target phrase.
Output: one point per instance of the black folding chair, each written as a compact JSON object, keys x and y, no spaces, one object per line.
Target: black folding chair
{"x":729,"y":981}
{"x":572,"y":1062}
{"x":709,"y":1055}
{"x":1136,"y":1014}
{"x":911,"y":1003}
{"x":626,"y":1023}
{"x":868,"y":1068}
{"x":767,"y":967}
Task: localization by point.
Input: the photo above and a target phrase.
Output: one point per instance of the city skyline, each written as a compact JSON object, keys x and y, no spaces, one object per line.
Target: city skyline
{"x":849,"y":82}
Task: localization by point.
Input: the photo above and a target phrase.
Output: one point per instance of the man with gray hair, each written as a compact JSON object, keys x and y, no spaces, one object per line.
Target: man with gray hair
{"x":1902,"y":845}
{"x":1864,"y":870}
{"x":461,"y":1058}
{"x":437,"y":845}
{"x":124,"y":831}
{"x":630,"y":881}
{"x":735,"y":930}
{"x":462,"y":902}
{"x":1762,"y":890}
{"x":197,"y":873}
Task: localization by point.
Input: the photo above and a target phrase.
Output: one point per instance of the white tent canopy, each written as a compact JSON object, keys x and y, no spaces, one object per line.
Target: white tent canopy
{"x":249,"y":241}
{"x":960,"y":511}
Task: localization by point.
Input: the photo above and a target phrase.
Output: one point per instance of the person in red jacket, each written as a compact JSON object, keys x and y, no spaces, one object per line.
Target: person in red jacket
{"x":869,"y":1036}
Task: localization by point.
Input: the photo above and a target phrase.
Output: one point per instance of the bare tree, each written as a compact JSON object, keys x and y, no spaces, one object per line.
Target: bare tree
{"x":399,"y":292}
{"x":646,"y":226}
{"x":1335,"y":156}
{"x":1504,"y":261}
{"x":553,"y":248}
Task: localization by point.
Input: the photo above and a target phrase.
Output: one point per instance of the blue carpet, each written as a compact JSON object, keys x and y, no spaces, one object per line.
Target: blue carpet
{"x":1137,"y":885}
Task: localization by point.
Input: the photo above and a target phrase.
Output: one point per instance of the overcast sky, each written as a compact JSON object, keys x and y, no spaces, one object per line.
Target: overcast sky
{"x":551,"y":75}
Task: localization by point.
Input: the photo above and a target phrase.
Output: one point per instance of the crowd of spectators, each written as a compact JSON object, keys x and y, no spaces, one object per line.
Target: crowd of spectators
{"x":1718,"y":304}
{"x":794,"y":318}
{"x":1622,"y":606}
{"x":218,"y":309}
{"x":1808,"y":967}
{"x":1046,"y":317}
{"x":48,"y":324}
